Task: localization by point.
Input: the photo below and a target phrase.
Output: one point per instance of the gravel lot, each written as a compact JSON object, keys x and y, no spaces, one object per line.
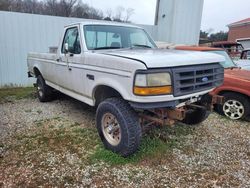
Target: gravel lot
{"x":56,"y":144}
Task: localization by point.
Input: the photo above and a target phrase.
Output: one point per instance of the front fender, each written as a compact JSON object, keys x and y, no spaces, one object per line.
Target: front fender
{"x":222,"y":89}
{"x":124,"y":88}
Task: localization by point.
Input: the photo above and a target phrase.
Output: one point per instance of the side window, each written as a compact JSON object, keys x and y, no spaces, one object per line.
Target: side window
{"x":72,"y":38}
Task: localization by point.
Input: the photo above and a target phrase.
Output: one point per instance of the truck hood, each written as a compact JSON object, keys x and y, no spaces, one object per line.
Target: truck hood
{"x":154,"y":58}
{"x":237,"y":73}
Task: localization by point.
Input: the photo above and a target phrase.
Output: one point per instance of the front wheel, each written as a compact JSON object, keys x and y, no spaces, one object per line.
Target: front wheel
{"x":118,"y":126}
{"x":236,"y":106}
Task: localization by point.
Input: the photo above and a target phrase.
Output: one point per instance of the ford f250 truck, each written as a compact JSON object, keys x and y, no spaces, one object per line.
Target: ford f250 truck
{"x":118,"y":68}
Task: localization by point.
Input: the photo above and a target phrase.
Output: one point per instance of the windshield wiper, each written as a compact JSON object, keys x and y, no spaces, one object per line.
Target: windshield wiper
{"x":141,"y":45}
{"x":106,"y":47}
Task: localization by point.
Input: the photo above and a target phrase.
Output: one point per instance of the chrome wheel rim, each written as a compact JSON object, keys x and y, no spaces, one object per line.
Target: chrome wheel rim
{"x":111,"y":129}
{"x":233,"y":109}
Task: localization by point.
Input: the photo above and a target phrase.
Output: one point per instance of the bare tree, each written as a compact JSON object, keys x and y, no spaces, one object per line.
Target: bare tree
{"x":32,"y":6}
{"x":51,"y":7}
{"x":80,"y":10}
{"x":129,"y":13}
{"x":109,"y":13}
{"x":17,"y":6}
{"x":95,"y":13}
{"x":66,"y":7}
{"x":5,"y":5}
{"x":119,"y":13}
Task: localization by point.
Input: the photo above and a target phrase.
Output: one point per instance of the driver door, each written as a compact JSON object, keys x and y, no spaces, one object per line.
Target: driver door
{"x":70,"y":61}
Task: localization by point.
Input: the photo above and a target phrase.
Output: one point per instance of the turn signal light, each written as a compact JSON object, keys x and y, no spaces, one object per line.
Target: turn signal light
{"x":147,"y":91}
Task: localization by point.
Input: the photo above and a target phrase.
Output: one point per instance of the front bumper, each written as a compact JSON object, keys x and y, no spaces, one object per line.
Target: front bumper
{"x":207,"y":100}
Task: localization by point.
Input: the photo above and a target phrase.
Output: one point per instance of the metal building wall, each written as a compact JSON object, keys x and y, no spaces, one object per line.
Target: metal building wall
{"x":22,"y":33}
{"x":179,"y":21}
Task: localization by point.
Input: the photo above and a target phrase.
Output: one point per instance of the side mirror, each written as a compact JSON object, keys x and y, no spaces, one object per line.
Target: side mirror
{"x":66,"y":48}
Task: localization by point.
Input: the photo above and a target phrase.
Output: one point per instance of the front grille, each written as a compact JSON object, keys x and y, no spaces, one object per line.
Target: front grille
{"x":192,"y":79}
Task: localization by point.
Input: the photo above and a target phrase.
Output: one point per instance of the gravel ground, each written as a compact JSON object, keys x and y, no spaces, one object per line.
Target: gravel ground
{"x":52,"y":144}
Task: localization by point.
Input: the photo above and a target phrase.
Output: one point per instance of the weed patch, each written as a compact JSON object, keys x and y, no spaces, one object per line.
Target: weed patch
{"x":154,"y":146}
{"x":10,"y":94}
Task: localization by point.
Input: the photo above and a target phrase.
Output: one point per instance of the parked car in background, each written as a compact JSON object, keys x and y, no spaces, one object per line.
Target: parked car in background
{"x":235,"y":89}
{"x":233,"y":49}
{"x":244,"y":61}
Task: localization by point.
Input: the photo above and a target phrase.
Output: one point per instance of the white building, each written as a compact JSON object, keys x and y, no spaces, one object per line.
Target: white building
{"x":177,"y":21}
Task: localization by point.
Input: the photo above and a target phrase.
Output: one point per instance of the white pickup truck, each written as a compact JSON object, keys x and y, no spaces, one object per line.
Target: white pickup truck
{"x":118,"y":68}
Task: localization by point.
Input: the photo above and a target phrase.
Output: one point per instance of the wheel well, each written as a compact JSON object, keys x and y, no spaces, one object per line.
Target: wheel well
{"x":104,"y":92}
{"x":37,"y":72}
{"x":234,"y":92}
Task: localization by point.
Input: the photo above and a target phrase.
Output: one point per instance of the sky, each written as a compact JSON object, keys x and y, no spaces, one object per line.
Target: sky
{"x":219,"y":13}
{"x":216,"y":13}
{"x":144,"y":10}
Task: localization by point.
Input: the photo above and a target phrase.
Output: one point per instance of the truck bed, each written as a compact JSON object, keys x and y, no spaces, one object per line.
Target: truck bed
{"x":46,"y":56}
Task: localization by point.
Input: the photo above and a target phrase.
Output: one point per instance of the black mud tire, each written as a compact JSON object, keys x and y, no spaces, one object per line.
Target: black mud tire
{"x":129,"y":125}
{"x":236,"y":97}
{"x":44,"y":92}
{"x":195,"y":116}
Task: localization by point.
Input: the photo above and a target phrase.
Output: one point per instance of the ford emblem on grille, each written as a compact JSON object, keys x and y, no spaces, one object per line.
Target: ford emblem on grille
{"x":204,"y":79}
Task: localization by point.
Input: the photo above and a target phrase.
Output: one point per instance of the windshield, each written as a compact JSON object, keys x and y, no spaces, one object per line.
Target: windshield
{"x":99,"y":37}
{"x":228,"y":61}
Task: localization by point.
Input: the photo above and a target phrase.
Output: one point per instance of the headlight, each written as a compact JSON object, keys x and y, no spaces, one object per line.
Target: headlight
{"x":152,"y":84}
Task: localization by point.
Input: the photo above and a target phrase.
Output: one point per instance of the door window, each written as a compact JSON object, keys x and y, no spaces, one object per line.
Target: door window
{"x":73,"y":40}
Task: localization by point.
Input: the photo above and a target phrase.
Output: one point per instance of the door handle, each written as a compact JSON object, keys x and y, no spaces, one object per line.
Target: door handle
{"x":59,"y":59}
{"x":90,"y":77}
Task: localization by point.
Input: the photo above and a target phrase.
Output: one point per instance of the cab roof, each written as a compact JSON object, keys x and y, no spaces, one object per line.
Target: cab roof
{"x":102,"y":22}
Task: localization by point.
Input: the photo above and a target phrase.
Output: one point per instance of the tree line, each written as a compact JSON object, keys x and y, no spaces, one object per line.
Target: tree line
{"x":66,"y":8}
{"x":219,"y":36}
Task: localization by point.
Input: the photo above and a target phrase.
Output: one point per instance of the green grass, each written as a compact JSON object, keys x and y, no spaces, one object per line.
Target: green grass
{"x":154,"y":147}
{"x":56,"y":135}
{"x":150,"y":148}
{"x":10,"y":94}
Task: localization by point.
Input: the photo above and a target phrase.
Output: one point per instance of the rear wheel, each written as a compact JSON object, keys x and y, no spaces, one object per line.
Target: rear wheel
{"x":44,"y":92}
{"x":236,"y":106}
{"x":118,"y":126}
